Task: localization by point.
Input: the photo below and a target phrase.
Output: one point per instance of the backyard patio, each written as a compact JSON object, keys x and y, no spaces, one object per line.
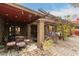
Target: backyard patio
{"x":68,"y":47}
{"x":30,"y":33}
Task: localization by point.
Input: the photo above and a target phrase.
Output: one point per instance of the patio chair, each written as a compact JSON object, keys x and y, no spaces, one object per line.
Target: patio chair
{"x":20,"y":42}
{"x":10,"y":43}
{"x":27,"y":40}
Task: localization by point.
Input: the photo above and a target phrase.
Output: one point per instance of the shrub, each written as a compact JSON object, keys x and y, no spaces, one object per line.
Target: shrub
{"x":47,"y":44}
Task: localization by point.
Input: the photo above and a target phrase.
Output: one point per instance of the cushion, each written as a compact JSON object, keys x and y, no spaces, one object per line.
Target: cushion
{"x":11,"y":43}
{"x":20,"y":44}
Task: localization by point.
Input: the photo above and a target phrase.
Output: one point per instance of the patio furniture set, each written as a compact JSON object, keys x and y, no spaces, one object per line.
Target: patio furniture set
{"x":17,"y":42}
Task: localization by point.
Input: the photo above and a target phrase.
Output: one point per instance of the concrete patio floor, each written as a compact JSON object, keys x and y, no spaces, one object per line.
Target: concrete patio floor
{"x":69,"y":47}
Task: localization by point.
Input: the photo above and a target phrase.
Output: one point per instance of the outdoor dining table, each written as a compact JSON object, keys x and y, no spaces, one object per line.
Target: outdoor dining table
{"x":20,"y":42}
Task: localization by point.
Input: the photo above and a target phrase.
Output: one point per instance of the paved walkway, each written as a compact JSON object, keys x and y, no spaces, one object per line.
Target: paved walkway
{"x":69,"y":47}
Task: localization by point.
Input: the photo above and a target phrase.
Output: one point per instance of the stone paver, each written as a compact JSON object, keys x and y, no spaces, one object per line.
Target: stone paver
{"x":69,"y":47}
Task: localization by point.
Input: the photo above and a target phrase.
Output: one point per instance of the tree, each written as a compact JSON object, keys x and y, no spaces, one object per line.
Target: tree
{"x":68,"y":17}
{"x":75,"y":4}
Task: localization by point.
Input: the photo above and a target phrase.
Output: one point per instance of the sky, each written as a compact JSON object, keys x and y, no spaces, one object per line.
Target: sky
{"x":57,"y":9}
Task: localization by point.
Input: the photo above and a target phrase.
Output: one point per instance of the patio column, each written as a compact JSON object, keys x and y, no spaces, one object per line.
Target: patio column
{"x":40,"y":33}
{"x":29,"y":30}
{"x":46,"y":28}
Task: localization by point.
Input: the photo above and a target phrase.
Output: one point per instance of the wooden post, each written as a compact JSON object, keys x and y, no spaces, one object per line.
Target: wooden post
{"x":46,"y":29}
{"x":40,"y":33}
{"x":29,"y":31}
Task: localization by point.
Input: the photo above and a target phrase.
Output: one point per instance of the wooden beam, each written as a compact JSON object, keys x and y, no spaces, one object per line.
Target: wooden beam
{"x":24,"y":8}
{"x":29,"y":30}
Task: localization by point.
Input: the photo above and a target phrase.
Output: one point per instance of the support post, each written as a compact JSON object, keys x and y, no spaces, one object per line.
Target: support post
{"x":29,"y":31}
{"x":40,"y":33}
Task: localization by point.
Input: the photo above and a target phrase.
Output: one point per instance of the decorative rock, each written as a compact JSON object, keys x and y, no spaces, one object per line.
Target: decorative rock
{"x":31,"y":47}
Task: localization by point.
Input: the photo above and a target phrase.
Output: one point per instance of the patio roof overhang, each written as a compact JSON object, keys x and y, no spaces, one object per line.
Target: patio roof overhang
{"x":17,"y":13}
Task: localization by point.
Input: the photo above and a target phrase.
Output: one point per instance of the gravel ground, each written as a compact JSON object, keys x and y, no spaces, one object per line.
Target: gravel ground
{"x":69,"y":47}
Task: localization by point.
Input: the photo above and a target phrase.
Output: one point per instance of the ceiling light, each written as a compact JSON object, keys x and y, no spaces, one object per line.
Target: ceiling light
{"x":6,"y":14}
{"x":16,"y":16}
